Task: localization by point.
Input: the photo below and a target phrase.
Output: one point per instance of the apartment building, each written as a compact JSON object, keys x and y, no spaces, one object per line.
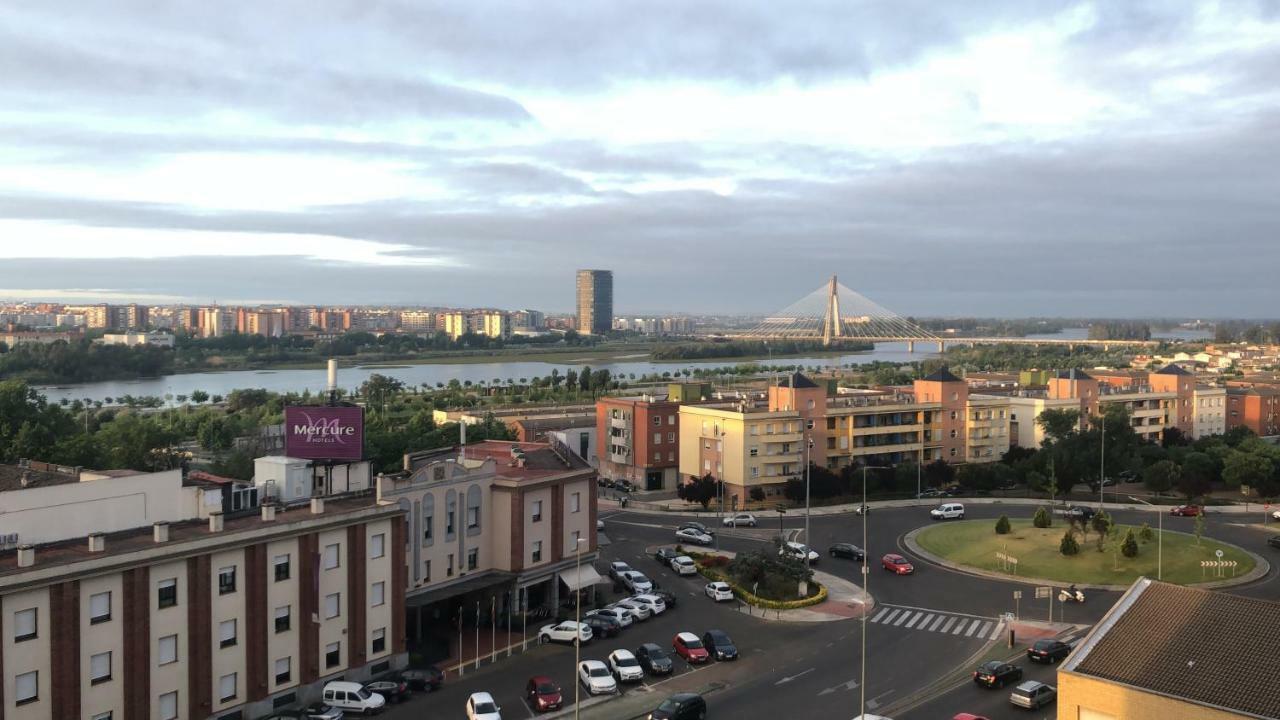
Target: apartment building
{"x":494,"y":527}
{"x":417,"y":321}
{"x":1210,"y":411}
{"x":116,"y":317}
{"x":1256,"y":408}
{"x":137,"y":339}
{"x":208,"y":616}
{"x":639,"y":440}
{"x":489,"y":323}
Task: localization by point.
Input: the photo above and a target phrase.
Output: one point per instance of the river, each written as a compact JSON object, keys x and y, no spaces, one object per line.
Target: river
{"x":294,"y":380}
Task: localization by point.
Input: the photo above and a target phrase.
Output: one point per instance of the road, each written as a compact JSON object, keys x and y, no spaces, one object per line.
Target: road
{"x":924,"y":627}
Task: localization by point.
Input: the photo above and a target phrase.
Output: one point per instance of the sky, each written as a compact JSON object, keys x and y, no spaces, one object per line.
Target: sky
{"x":722,"y":156}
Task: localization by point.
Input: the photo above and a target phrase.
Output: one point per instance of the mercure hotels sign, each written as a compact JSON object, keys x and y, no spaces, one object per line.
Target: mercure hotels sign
{"x":316,"y":432}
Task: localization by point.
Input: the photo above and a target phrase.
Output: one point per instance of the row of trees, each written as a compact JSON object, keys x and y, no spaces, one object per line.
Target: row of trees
{"x":746,"y":348}
{"x":1120,"y":330}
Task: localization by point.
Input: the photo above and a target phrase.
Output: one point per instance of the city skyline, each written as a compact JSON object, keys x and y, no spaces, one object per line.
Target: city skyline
{"x":1062,"y":159}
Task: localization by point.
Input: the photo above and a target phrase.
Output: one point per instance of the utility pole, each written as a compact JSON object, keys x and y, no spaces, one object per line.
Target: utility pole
{"x":577,"y":624}
{"x":866,"y":577}
{"x":808,"y":443}
{"x":1102,"y":462}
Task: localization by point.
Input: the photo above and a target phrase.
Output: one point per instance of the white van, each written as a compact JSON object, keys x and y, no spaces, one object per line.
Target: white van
{"x":948,"y":511}
{"x":352,"y":697}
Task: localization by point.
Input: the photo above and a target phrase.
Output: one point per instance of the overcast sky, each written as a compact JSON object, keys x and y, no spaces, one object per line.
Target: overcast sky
{"x":995,"y":158}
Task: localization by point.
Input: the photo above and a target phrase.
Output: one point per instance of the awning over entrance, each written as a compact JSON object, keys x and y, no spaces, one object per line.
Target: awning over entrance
{"x":578,"y":578}
{"x":482,"y":581}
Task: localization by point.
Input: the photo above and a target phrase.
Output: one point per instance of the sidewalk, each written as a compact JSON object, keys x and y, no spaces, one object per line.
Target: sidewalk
{"x":489,"y":647}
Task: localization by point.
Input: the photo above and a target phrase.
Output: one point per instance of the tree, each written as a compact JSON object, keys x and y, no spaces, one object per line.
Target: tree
{"x":1198,"y":527}
{"x":1068,"y":545}
{"x":757,"y":493}
{"x":1145,"y":534}
{"x":1129,"y":547}
{"x":1042,"y":518}
{"x":584,"y":378}
{"x":215,"y":434}
{"x":1198,"y":471}
{"x":1162,"y":476}
{"x":570,"y":380}
{"x":939,"y":473}
{"x":699,"y":489}
{"x":1002,"y":525}
{"x":1058,"y":423}
{"x":1245,"y":468}
{"x":1173,"y":437}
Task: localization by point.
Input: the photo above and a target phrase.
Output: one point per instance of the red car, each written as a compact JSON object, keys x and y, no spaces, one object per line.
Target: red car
{"x":969,"y":716}
{"x":543,"y":693}
{"x":688,"y":646}
{"x":1186,"y":510}
{"x":896,"y":564}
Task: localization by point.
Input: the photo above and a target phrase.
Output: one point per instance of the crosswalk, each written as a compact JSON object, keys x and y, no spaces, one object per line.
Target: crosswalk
{"x":942,"y":622}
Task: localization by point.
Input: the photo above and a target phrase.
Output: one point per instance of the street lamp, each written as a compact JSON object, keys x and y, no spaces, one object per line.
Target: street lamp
{"x":1159,"y":536}
{"x":577,"y":620}
{"x":808,"y":445}
{"x":866,"y":553}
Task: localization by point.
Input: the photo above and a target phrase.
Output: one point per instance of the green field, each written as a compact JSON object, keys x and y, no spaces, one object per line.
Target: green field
{"x":975,"y":543}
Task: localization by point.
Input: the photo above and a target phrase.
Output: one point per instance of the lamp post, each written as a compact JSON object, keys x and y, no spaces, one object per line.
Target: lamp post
{"x":866,"y":553}
{"x":577,"y":620}
{"x":808,"y":445}
{"x":1159,"y":536}
{"x":1102,"y":461}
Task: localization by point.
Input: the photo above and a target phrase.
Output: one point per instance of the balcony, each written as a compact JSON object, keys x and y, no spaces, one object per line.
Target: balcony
{"x":619,"y":423}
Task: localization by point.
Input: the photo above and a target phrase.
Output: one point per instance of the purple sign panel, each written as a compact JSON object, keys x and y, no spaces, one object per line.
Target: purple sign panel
{"x":316,"y":432}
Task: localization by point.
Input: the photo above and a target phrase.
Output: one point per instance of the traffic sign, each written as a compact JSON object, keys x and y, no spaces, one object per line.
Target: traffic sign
{"x":1017,"y":594}
{"x":1218,"y":553}
{"x":1043,"y":592}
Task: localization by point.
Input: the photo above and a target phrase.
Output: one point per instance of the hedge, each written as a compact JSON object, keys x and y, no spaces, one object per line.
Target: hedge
{"x":709,"y":567}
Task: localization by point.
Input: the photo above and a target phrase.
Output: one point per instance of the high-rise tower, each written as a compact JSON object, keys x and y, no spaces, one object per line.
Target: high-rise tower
{"x":595,"y":301}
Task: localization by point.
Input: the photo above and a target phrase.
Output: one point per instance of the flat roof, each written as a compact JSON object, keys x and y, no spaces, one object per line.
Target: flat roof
{"x":540,"y":461}
{"x":11,"y":477}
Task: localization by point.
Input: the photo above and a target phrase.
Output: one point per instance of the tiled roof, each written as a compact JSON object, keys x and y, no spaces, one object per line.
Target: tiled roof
{"x":797,"y":380}
{"x":942,"y":374}
{"x":11,"y":478}
{"x":1206,"y":647}
{"x":1171,"y":369}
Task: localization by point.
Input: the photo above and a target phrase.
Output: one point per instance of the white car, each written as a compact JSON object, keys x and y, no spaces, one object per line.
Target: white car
{"x":799,"y":551}
{"x":622,"y":616}
{"x":617,"y":568}
{"x":740,"y":519}
{"x":350,"y":696}
{"x":694,"y":535}
{"x":1276,"y":514}
{"x":565,"y":632}
{"x":595,"y":677}
{"x":948,"y":511}
{"x":684,"y":565}
{"x":625,"y":666}
{"x":600,"y":525}
{"x":638,"y":609}
{"x":656,"y":605}
{"x":719,"y":591}
{"x":636,"y":582}
{"x":481,"y":706}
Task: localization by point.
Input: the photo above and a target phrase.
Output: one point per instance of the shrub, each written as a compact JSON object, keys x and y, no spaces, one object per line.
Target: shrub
{"x":1043,"y":518}
{"x":1069,"y":546}
{"x":1002,"y":525}
{"x":1129,"y":548}
{"x":1145,"y":533}
{"x":757,"y":494}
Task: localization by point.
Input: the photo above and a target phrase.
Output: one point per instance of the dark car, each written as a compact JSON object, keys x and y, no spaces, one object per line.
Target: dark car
{"x":1274,"y":541}
{"x":1050,"y":651}
{"x":953,"y":491}
{"x":665,"y":555}
{"x":315,"y":711}
{"x":392,"y":688}
{"x":654,"y":659}
{"x":542,"y":694}
{"x":681,"y":706}
{"x":602,"y":626}
{"x":425,"y":679}
{"x":624,"y":485}
{"x":697,"y":526}
{"x":1081,"y":512}
{"x":667,"y":596}
{"x":997,"y":674}
{"x":719,"y":645}
{"x":846,"y":550}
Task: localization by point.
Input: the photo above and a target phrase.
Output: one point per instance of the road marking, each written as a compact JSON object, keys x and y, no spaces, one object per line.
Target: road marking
{"x":960,"y":626}
{"x":905,"y":615}
{"x":793,"y":677}
{"x":999,"y":628}
{"x":912,"y":607}
{"x":882,"y":613}
{"x":937,"y":622}
{"x":986,"y":628}
{"x":973,"y":628}
{"x":950,"y":621}
{"x":892,"y":615}
{"x":847,"y":685}
{"x":917,"y":618}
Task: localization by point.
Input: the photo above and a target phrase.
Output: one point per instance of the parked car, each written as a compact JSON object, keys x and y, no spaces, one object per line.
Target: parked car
{"x":1274,"y":541}
{"x":1033,"y":695}
{"x":667,"y":597}
{"x":653,"y":602}
{"x":684,"y":565}
{"x":625,"y":486}
{"x":952,"y":491}
{"x":696,"y":526}
{"x":681,"y":706}
{"x":616,"y":569}
{"x":481,"y":706}
{"x":688,"y":646}
{"x":595,"y":677}
{"x":929,"y":493}
{"x":948,"y":511}
{"x":1275,"y":514}
{"x":1079,"y":512}
{"x":1186,"y":510}
{"x":895,"y":563}
{"x":740,"y":519}
{"x":637,"y":609}
{"x":654,"y":659}
{"x":426,"y":679}
{"x":695,"y":536}
{"x":599,"y":525}
{"x":799,"y":551}
{"x":392,"y":688}
{"x":719,"y":645}
{"x":351,"y":697}
{"x":543,"y":694}
{"x":664,"y":555}
{"x":602,"y":626}
{"x":997,"y":674}
{"x":314,"y":711}
{"x":718,"y":591}
{"x":565,"y":632}
{"x":636,"y":581}
{"x":846,"y":550}
{"x":1050,"y":651}
{"x":1128,"y":476}
{"x":862,"y":510}
{"x":624,"y":665}
{"x":621,"y":616}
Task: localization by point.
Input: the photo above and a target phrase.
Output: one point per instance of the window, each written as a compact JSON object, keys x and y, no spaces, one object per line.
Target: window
{"x":755,"y":471}
{"x":575,"y":502}
{"x":473,"y":558}
{"x":473,"y":518}
{"x":426,"y":575}
{"x":377,"y":546}
{"x":952,"y":453}
{"x":226,"y":633}
{"x":169,"y":706}
{"x":953,"y":433}
{"x":26,"y":688}
{"x":809,"y":424}
{"x":168,"y":593}
{"x":333,"y":605}
{"x":379,"y":640}
{"x":99,"y":668}
{"x":671,"y":456}
{"x":227,"y":687}
{"x":573,"y":539}
{"x":657,"y":420}
{"x":168,"y":650}
{"x":99,"y":607}
{"x":282,"y":619}
{"x":227,"y":580}
{"x":102,"y":716}
{"x":284,"y":667}
{"x":537,"y":551}
{"x":332,"y":654}
{"x":24,"y":625}
{"x":657,"y":438}
{"x":428,"y":525}
{"x":331,"y":556}
{"x":448,"y":523}
{"x":671,"y":437}
{"x":448,"y":572}
{"x":537,"y":511}
{"x":282,"y":567}
{"x":378,"y":594}
{"x":283,"y":700}
{"x":671,"y":419}
{"x":657,"y":455}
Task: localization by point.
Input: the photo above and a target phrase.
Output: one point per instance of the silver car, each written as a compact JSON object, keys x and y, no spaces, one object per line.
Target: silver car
{"x":1033,"y":695}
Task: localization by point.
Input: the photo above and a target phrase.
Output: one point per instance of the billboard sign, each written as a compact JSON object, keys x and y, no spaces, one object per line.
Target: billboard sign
{"x":317,"y":432}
